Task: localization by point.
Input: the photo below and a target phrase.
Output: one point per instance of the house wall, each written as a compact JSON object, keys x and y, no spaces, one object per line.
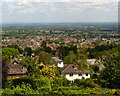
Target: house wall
{"x":76,"y":76}
{"x":60,"y":64}
{"x":16,"y":76}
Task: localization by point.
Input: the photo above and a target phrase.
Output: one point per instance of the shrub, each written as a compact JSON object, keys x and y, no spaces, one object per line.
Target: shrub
{"x":20,"y":89}
{"x":62,"y":88}
{"x":38,"y":83}
{"x":35,"y":83}
{"x":86,"y":83}
{"x":112,"y":91}
{"x":10,"y":83}
{"x":95,"y":68}
{"x":59,"y":82}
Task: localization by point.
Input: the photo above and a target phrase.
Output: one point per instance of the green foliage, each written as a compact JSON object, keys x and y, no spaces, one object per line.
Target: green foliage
{"x":20,"y":89}
{"x":10,"y":83}
{"x":48,"y":50}
{"x":110,"y":76}
{"x":70,"y":58}
{"x":16,"y":47}
{"x":43,"y":44}
{"x":79,"y":58}
{"x":94,"y":76}
{"x":7,"y":52}
{"x":95,"y":68}
{"x":60,"y":82}
{"x":33,"y":83}
{"x":86,"y":83}
{"x":46,"y":58}
{"x":30,"y":63}
{"x":49,"y":71}
{"x":28,"y":51}
{"x":100,"y":50}
{"x":64,"y":50}
{"x":40,"y":82}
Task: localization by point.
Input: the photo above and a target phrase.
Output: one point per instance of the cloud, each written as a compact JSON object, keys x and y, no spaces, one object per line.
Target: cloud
{"x":59,"y":11}
{"x":24,"y":7}
{"x":60,"y":0}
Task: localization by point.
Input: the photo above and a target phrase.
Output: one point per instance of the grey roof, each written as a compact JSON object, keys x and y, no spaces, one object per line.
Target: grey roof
{"x":73,"y":69}
{"x":16,"y":69}
{"x":57,"y":59}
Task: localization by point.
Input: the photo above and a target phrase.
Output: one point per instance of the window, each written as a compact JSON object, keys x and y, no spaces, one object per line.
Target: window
{"x":86,"y":74}
{"x":80,"y":74}
{"x":71,"y":74}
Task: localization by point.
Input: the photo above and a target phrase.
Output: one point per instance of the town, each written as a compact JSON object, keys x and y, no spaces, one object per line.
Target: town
{"x":61,"y":58}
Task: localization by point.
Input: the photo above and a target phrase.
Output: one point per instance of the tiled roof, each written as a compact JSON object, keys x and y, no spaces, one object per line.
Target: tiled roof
{"x":16,"y":69}
{"x":73,"y":69}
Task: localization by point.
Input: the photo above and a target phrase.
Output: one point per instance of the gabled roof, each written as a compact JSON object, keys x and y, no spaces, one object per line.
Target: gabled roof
{"x":16,"y":68}
{"x":73,"y":69}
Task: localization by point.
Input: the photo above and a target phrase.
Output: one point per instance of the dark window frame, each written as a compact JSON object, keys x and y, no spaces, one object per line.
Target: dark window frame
{"x":71,"y":74}
{"x":86,"y":74}
{"x":80,"y":74}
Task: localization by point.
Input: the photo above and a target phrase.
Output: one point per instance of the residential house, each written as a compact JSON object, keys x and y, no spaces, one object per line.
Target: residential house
{"x":59,"y":62}
{"x":15,"y":70}
{"x":71,"y":72}
{"x":91,"y":61}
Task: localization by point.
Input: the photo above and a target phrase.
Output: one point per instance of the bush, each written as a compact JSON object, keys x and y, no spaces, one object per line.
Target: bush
{"x":95,"y":68}
{"x":10,"y":83}
{"x":59,"y":82}
{"x":86,"y":83}
{"x":20,"y":89}
{"x":117,"y":92}
{"x":112,"y":91}
{"x":35,"y":83}
{"x":38,"y":83}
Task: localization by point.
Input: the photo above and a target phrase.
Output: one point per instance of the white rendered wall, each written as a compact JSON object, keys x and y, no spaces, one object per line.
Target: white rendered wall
{"x":76,"y":76}
{"x":60,"y":64}
{"x":84,"y":75}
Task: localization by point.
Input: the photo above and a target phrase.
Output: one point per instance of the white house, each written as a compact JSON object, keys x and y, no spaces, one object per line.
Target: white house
{"x":91,"y":61}
{"x":95,"y":61}
{"x":71,"y":73}
{"x":59,"y":62}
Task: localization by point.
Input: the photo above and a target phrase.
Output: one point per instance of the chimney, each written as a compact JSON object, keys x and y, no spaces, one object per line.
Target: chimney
{"x":10,"y":59}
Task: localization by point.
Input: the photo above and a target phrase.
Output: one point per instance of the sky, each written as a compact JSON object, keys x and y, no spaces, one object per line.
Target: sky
{"x":56,"y":11}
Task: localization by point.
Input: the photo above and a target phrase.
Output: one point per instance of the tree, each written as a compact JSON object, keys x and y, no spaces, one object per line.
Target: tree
{"x":79,"y":58}
{"x":37,"y":50}
{"x":7,"y":52}
{"x":110,"y":76}
{"x":4,"y":71}
{"x":28,"y":50}
{"x":48,"y":49}
{"x":49,"y":71}
{"x":31,"y":65}
{"x":15,"y":46}
{"x":46,"y":58}
{"x":95,"y":68}
{"x":43,"y":44}
{"x":70,"y":58}
{"x":66,"y":49}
